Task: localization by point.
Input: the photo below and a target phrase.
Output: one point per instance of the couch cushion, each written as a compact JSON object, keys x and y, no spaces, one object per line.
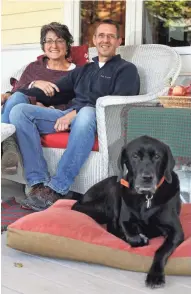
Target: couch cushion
{"x":64,"y":233}
{"x":60,"y":140}
{"x":79,"y":54}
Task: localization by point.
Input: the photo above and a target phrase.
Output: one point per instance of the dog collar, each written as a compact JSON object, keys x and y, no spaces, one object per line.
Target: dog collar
{"x":126,"y":183}
{"x":161,"y":182}
{"x":148,"y":197}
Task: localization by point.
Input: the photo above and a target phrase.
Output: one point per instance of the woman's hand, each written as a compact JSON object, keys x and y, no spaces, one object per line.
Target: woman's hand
{"x":63,"y":123}
{"x":47,"y":87}
{"x":4,"y":97}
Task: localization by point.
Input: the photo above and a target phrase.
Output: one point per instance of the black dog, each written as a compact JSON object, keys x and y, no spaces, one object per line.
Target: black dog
{"x":142,"y":203}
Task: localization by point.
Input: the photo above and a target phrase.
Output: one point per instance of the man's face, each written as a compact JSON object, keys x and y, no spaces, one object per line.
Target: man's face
{"x":106,"y":40}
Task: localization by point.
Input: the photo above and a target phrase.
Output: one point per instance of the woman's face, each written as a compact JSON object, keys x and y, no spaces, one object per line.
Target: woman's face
{"x":54,"y":47}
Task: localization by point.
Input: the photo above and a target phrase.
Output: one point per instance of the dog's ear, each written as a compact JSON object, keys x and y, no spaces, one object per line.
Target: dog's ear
{"x":169,"y":166}
{"x":121,"y":164}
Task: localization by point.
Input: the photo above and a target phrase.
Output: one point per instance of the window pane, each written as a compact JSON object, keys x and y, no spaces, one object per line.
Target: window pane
{"x":167,"y":22}
{"x":91,"y":12}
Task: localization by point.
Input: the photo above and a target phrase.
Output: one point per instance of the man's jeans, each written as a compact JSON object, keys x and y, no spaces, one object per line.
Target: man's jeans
{"x":13,"y":100}
{"x":31,"y":121}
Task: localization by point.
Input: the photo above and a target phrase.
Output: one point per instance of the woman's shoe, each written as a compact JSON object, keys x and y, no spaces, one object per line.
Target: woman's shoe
{"x":10,"y":157}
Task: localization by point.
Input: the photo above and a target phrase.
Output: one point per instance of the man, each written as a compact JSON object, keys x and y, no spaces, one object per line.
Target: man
{"x":107,"y":75}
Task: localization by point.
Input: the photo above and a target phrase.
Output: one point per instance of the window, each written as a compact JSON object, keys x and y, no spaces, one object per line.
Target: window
{"x":142,"y":22}
{"x":80,"y":15}
{"x":91,"y":12}
{"x":167,"y":22}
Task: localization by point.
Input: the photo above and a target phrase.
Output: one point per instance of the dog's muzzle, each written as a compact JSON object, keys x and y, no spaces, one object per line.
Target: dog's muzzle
{"x":145,"y":183}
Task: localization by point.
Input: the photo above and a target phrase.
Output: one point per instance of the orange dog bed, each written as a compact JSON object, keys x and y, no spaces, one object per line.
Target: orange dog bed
{"x":63,"y":233}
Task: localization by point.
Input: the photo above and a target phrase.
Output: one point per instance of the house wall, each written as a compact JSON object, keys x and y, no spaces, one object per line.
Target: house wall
{"x":20,"y":32}
{"x":22,"y":20}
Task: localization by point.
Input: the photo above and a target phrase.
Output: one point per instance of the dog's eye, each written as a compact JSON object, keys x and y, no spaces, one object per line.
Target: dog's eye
{"x":135,"y":155}
{"x":157,"y":156}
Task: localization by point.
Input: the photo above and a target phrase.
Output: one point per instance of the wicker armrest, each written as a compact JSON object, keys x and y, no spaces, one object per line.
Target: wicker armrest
{"x":123,"y":100}
{"x":6,"y":86}
{"x":109,"y":111}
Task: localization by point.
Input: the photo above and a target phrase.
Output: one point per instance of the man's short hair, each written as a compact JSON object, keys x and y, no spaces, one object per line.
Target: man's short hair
{"x":111,"y":22}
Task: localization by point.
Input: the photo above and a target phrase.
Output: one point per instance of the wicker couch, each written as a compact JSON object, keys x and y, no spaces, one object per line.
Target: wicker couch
{"x":158,"y":66}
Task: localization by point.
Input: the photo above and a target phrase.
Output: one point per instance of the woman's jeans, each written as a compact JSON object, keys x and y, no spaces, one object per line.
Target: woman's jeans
{"x":13,"y":100}
{"x":32,"y":121}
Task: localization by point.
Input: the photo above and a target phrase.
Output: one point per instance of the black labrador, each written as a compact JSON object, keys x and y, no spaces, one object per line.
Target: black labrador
{"x":142,"y":203}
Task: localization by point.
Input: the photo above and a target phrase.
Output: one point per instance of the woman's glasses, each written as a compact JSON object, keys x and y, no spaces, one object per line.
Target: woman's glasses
{"x":51,"y":42}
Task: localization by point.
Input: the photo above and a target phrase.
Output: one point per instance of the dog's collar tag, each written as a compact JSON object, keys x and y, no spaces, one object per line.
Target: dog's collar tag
{"x":124,"y":183}
{"x":148,"y":200}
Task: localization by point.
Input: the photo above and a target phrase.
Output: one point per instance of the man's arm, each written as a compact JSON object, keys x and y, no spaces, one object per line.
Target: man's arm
{"x":127,"y":82}
{"x":65,"y":86}
{"x":66,"y":83}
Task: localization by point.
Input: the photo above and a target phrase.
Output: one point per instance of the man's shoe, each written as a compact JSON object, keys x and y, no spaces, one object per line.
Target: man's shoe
{"x":41,"y":197}
{"x":10,"y":157}
{"x":26,"y":204}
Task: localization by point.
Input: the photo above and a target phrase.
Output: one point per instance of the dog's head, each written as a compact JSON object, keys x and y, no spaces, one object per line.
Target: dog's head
{"x":146,"y":160}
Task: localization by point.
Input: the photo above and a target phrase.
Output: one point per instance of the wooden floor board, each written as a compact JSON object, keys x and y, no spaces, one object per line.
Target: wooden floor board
{"x":48,"y":276}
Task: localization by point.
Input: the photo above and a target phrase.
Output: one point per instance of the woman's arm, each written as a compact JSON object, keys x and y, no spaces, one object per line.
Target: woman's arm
{"x":26,"y":78}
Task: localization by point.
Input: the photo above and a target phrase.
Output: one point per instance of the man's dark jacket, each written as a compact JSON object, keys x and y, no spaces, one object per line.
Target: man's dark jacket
{"x":87,"y":83}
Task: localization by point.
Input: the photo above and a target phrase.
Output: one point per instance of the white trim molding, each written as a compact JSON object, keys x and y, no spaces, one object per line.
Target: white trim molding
{"x":19,"y":47}
{"x":71,"y":16}
{"x":130,"y":22}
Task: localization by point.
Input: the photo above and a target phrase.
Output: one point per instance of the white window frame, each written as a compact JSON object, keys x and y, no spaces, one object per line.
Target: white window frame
{"x":133,"y":30}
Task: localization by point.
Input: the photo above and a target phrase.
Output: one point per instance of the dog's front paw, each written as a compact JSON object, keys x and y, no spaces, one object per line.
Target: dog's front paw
{"x":155,"y":280}
{"x":138,"y":240}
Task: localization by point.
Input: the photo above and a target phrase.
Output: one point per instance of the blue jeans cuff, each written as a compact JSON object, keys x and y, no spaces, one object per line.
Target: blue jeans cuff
{"x":60,"y":191}
{"x":45,"y":182}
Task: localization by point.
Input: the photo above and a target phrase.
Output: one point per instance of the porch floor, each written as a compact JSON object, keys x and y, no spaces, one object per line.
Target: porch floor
{"x":45,"y":275}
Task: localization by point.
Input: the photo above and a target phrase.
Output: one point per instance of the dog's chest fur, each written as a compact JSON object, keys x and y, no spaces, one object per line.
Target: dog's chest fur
{"x":135,"y":207}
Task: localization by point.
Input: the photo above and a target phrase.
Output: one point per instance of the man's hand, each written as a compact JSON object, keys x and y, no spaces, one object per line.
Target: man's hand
{"x":4,"y":97}
{"x":47,"y":87}
{"x":63,"y":123}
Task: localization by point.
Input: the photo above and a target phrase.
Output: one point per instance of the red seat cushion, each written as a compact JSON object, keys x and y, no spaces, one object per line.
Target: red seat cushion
{"x":60,"y":140}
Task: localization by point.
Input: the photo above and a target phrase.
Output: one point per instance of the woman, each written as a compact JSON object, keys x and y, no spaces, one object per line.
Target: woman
{"x":56,"y":43}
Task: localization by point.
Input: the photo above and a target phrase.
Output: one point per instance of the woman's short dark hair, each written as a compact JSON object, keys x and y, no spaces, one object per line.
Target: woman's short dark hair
{"x":61,"y":31}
